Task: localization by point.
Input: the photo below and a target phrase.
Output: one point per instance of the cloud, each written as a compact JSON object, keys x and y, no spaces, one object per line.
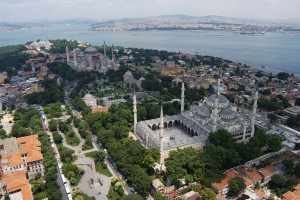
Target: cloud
{"x":20,"y":10}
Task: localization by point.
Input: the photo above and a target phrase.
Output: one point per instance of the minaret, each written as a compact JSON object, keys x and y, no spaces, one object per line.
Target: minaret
{"x":218,"y":92}
{"x":134,"y":113}
{"x":75,"y":59}
{"x":254,"y":113}
{"x":104,"y":49}
{"x":215,"y":115}
{"x":182,"y":94}
{"x":68,"y":56}
{"x":161,"y":137}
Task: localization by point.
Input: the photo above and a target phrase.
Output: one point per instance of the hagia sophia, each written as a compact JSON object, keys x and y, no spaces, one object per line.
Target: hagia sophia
{"x":91,"y":59}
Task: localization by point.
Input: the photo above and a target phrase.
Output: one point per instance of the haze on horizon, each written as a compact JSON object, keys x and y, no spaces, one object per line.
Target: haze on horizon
{"x":42,"y":10}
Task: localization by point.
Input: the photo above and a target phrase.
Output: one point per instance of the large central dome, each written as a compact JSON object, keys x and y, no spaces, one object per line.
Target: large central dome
{"x":221,"y":98}
{"x":90,"y":50}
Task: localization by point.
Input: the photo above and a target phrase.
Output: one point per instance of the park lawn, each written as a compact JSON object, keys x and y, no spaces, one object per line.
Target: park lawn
{"x":112,"y":194}
{"x":73,"y":141}
{"x":63,"y":150}
{"x":86,"y":146}
{"x":86,"y":197}
{"x":40,"y":196}
{"x":101,"y":170}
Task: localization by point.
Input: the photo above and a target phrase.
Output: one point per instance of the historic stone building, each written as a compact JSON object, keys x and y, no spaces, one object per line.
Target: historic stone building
{"x":192,"y":128}
{"x":91,"y":59}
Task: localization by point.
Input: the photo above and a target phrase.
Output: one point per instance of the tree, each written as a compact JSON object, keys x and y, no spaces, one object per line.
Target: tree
{"x":297,"y":102}
{"x":272,"y":117}
{"x":158,"y":196}
{"x":70,"y":174}
{"x":73,"y":181}
{"x":55,"y":109}
{"x":188,"y":179}
{"x":277,"y":181}
{"x":132,"y":197}
{"x":275,"y":143}
{"x":289,"y":166}
{"x":208,"y":194}
{"x":69,"y":167}
{"x":236,"y":185}
{"x":2,"y":133}
{"x":53,"y":125}
{"x":283,"y":75}
{"x":57,"y":138}
{"x":297,"y":170}
{"x":221,"y":138}
{"x":262,"y":137}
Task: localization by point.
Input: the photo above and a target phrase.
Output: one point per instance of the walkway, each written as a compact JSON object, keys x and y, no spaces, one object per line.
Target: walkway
{"x":86,"y":163}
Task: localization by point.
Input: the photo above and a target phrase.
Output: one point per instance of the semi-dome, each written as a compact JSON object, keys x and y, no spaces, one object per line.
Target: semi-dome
{"x":227,"y":113}
{"x":90,"y":50}
{"x":204,"y":111}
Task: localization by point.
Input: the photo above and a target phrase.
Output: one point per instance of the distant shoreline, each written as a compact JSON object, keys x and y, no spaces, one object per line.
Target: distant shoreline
{"x":277,"y":51}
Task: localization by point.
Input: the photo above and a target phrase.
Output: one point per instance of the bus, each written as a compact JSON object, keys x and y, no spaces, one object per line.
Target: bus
{"x":63,"y":178}
{"x":67,"y":189}
{"x":70,"y":197}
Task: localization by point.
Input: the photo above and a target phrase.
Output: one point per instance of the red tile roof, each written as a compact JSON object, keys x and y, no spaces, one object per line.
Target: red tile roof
{"x":104,"y":109}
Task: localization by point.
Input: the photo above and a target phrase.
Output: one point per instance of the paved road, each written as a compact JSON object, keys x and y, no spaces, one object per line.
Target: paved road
{"x":59,"y":180}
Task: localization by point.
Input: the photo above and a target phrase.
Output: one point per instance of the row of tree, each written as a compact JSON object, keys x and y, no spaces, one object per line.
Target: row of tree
{"x":52,"y":93}
{"x":27,"y":122}
{"x":223,"y":153}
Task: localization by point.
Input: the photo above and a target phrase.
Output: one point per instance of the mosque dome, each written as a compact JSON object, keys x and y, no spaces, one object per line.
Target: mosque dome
{"x":222,"y":100}
{"x":204,"y":111}
{"x":90,"y":50}
{"x":227,"y":113}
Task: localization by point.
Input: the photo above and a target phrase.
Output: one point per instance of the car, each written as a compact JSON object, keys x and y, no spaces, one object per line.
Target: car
{"x":132,"y":190}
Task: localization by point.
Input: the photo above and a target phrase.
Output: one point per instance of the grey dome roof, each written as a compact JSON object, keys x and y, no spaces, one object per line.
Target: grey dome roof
{"x":90,"y":50}
{"x":204,"y":111}
{"x":227,"y":112}
{"x":221,"y":98}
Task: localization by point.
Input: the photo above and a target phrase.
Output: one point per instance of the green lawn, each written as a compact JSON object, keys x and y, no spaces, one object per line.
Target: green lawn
{"x":100,"y":169}
{"x":87,"y":146}
{"x":86,"y":197}
{"x":112,"y":194}
{"x":73,"y":141}
{"x":63,"y":150}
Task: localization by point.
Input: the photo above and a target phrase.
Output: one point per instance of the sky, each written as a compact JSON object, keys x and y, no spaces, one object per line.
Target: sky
{"x":41,"y":10}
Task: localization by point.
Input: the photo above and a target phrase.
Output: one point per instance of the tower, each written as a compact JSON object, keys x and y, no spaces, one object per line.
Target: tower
{"x":112,"y":55}
{"x":215,"y":115}
{"x":182,"y":94}
{"x":68,"y":56}
{"x":254,"y":113}
{"x":104,"y":50}
{"x":134,"y":113}
{"x":75,"y":60}
{"x":161,"y":137}
{"x":218,"y":90}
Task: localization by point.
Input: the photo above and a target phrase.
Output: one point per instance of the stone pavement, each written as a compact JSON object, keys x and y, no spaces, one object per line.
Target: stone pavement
{"x":86,"y":163}
{"x":84,"y":186}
